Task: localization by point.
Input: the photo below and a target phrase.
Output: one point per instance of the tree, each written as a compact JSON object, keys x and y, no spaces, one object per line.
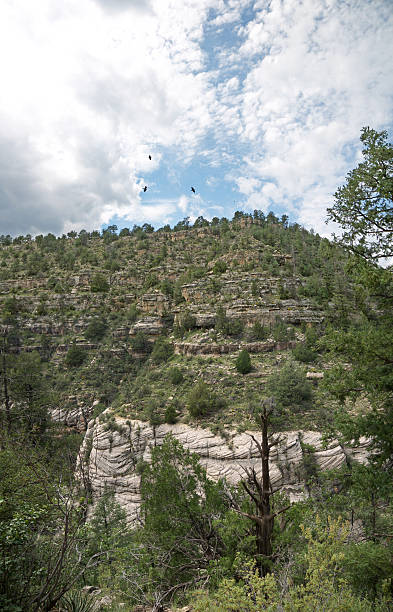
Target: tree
{"x":75,"y":356}
{"x":201,"y":400}
{"x":44,"y":550}
{"x":364,"y":205}
{"x":260,"y":492}
{"x":364,"y":209}
{"x":243,"y":362}
{"x":99,"y":283}
{"x":180,"y":509}
{"x":162,"y":350}
{"x":96,"y":329}
{"x":289,"y":387}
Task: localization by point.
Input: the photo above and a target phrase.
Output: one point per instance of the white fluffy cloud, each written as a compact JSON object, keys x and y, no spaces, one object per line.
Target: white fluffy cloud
{"x":320,"y":72}
{"x":87,"y":94}
{"x":269,"y":97}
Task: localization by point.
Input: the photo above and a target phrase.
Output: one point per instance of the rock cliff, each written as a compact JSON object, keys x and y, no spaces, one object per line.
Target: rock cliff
{"x":113,"y":450}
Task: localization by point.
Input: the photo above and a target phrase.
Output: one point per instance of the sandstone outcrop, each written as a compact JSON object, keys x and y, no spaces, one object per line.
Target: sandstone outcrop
{"x":113,"y":450}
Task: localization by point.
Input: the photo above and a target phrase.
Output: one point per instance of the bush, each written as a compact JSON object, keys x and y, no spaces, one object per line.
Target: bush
{"x":167,"y":287}
{"x":201,"y":400}
{"x":227,"y":326}
{"x":259,"y":332}
{"x":243,"y":362}
{"x":132,"y":313}
{"x":162,"y":350}
{"x":302,"y":353}
{"x":75,"y":356}
{"x":98,"y":283}
{"x":96,"y":329}
{"x":281,"y":331}
{"x":140,"y":343}
{"x":219,"y":267}
{"x":188,"y":321}
{"x":170,"y":415}
{"x":176,"y":376}
{"x":289,"y":387}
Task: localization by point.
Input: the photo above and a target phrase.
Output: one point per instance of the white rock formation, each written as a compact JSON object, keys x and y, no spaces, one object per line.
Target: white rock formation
{"x":112,"y":454}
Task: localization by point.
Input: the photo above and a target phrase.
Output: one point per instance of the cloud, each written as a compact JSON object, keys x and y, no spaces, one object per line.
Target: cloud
{"x":267,"y":97}
{"x":115,"y":6}
{"x":90,"y":103}
{"x":320,"y":72}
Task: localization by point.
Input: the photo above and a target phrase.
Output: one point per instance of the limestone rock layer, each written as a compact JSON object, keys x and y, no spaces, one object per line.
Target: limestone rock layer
{"x":112,"y":453}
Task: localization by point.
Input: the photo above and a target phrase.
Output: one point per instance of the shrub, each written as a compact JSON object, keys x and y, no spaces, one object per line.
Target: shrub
{"x":302,"y":353}
{"x":96,"y":329}
{"x":140,"y":343}
{"x":176,"y":376}
{"x":227,"y":326}
{"x":132,"y":313}
{"x":259,"y":331}
{"x":188,"y":321}
{"x":281,"y":332}
{"x":167,"y":287}
{"x":75,"y":356}
{"x":219,"y":267}
{"x":162,"y":350}
{"x":243,"y":362}
{"x":289,"y":387}
{"x":170,"y":415}
{"x":98,"y":283}
{"x":201,"y":400}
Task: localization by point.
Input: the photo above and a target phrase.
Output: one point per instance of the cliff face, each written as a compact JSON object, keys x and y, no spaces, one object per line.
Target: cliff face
{"x":112,"y":452}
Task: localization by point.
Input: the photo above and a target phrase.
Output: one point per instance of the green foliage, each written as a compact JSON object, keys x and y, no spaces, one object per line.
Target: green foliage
{"x":219,"y":267}
{"x":132,"y":313}
{"x":140,"y":343}
{"x":77,"y":601}
{"x":170,"y":415}
{"x":290,"y":388}
{"x":228,"y":327}
{"x":259,"y":331}
{"x":281,"y":332}
{"x":96,"y":329}
{"x":364,"y":205}
{"x":180,"y":506}
{"x":304,"y":354}
{"x":167,"y":287}
{"x":175,"y":375}
{"x":322,"y":587}
{"x":162,"y":350}
{"x":98,"y":283}
{"x":75,"y":357}
{"x":243,"y":362}
{"x":202,"y":401}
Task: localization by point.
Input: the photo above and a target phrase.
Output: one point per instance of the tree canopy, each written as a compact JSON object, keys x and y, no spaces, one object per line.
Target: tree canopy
{"x":364,"y":204}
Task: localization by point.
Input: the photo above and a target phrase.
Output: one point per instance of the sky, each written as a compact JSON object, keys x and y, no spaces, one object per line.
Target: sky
{"x":257,"y":104}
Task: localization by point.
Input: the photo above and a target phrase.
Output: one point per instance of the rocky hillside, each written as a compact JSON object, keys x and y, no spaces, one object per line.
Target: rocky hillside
{"x":134,"y":320}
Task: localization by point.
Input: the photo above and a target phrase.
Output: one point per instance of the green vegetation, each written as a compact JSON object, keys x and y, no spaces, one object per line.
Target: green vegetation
{"x":202,"y":401}
{"x":290,"y":388}
{"x":317,"y":318}
{"x":243,"y":362}
{"x":75,"y":356}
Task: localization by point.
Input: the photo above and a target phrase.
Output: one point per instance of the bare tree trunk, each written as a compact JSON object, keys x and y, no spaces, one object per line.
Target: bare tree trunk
{"x":260,"y":492}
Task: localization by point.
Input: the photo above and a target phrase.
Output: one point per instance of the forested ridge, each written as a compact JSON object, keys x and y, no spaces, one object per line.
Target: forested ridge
{"x":251,"y":326}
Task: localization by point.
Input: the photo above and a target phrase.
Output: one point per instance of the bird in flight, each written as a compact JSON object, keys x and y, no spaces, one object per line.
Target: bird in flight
{"x":145,"y":188}
{"x":150,"y":157}
{"x":193,"y":190}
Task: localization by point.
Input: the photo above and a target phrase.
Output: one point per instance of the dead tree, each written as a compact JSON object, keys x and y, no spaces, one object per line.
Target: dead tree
{"x":260,"y":491}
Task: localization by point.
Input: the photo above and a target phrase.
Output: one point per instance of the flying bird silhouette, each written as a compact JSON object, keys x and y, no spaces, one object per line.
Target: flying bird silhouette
{"x":150,"y":157}
{"x":145,"y":188}
{"x":193,"y":190}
